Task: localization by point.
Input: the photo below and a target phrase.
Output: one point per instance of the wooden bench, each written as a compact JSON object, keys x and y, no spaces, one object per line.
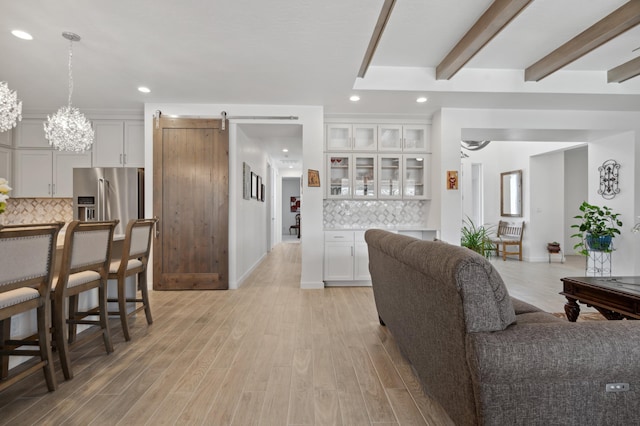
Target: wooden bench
{"x":509,"y":234}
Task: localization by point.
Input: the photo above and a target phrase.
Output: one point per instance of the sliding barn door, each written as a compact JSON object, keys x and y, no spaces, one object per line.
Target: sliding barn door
{"x":191,"y":199}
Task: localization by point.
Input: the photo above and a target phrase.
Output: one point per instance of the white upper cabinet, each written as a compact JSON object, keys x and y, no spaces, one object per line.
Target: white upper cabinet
{"x":390,"y":137}
{"x":30,"y":134}
{"x":5,"y":164}
{"x":43,"y":174}
{"x":5,"y":138}
{"x":416,"y":138}
{"x":351,"y":137}
{"x":365,"y":137}
{"x":405,"y":138}
{"x":118,"y":143}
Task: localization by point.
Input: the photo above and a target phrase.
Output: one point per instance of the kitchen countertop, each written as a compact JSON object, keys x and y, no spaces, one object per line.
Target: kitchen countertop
{"x":386,"y":228}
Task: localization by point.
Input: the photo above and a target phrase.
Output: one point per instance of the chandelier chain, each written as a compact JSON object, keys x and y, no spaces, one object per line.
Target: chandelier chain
{"x":70,"y":71}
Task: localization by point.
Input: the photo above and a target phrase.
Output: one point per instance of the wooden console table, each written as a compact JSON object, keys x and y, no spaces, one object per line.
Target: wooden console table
{"x":614,"y":297}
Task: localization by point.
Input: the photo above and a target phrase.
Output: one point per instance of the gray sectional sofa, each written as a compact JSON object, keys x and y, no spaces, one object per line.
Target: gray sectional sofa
{"x":490,"y":359}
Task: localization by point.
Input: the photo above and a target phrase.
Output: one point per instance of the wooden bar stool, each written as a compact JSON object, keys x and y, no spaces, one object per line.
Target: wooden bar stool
{"x":85,"y":266}
{"x":135,"y":255}
{"x":27,"y":260}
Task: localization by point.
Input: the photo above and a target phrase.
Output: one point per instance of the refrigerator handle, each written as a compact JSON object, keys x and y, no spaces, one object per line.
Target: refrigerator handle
{"x":100,"y":200}
{"x":106,"y":190}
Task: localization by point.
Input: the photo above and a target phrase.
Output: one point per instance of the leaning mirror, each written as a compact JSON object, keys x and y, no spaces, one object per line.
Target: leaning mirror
{"x":511,"y":193}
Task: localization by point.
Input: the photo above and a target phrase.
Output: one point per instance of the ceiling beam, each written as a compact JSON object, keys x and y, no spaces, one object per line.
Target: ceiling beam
{"x":614,"y":24}
{"x":624,"y":72}
{"x":385,"y":14}
{"x":492,"y":21}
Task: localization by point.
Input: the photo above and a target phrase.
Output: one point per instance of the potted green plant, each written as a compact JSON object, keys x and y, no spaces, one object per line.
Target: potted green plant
{"x":476,"y":238}
{"x":597,"y":228}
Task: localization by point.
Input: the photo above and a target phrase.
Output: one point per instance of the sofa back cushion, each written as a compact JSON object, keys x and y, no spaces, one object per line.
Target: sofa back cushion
{"x":485,"y":301}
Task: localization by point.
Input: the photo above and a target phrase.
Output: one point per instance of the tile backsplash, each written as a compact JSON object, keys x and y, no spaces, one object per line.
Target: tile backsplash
{"x":37,"y":210}
{"x":374,"y":213}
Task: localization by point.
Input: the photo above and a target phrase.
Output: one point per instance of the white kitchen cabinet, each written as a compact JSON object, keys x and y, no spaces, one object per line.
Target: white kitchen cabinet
{"x":351,"y":137}
{"x":5,"y":138}
{"x":30,"y":134}
{"x":346,"y":257}
{"x":361,"y":258}
{"x":415,"y":183}
{"x":5,"y":164}
{"x":390,"y":137}
{"x":405,"y":138}
{"x":118,"y":143}
{"x":339,"y":173}
{"x":390,"y":176}
{"x":365,"y":176}
{"x":46,"y":174}
{"x":416,"y":138}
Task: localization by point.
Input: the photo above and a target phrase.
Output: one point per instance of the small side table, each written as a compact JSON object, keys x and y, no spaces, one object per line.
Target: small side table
{"x":559,"y":252}
{"x":553,"y":248}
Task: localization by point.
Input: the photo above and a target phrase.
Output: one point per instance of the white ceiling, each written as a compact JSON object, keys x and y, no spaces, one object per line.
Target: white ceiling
{"x":303,"y":52}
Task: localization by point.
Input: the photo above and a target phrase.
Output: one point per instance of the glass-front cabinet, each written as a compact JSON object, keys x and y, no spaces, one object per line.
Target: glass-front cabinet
{"x":416,"y":185}
{"x":351,"y":137}
{"x":415,"y":138}
{"x":390,"y":175}
{"x":339,"y":137}
{"x":364,"y":175}
{"x":339,"y":173}
{"x":390,"y":137}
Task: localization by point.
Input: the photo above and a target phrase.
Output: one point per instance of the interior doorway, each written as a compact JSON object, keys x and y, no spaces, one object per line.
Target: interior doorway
{"x":291,"y":211}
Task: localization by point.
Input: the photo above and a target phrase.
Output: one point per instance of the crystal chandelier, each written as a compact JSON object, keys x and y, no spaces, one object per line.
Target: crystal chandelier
{"x":68,"y":129}
{"x":10,"y":107}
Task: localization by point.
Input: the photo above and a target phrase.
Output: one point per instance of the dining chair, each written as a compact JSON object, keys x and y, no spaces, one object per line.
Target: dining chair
{"x":27,"y":261}
{"x":85,"y":266}
{"x":133,"y":262}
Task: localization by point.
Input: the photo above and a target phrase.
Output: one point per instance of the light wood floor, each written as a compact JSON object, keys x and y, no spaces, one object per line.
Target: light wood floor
{"x":268,"y":353}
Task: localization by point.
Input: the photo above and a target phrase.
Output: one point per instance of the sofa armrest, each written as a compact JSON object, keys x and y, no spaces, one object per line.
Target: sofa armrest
{"x":556,"y":351}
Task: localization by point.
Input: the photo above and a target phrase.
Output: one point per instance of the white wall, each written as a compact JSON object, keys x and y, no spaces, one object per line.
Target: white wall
{"x":290,"y":188}
{"x":546,"y":200}
{"x":311,"y":118}
{"x":251,"y":216}
{"x":622,"y":148}
{"x":576,"y":191}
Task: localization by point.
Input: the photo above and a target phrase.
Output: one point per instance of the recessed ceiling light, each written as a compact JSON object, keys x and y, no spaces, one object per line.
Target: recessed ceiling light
{"x":144,"y":89}
{"x":354,"y":98}
{"x":22,"y":34}
{"x":285,"y":150}
{"x":421,"y":100}
{"x":291,"y":167}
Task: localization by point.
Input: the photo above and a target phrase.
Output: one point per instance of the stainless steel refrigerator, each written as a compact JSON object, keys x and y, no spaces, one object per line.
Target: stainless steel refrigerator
{"x":108,"y":194}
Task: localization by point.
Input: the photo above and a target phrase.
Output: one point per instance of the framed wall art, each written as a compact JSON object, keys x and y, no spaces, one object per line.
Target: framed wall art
{"x":313,"y":178}
{"x":246,"y":181}
{"x":254,"y":185}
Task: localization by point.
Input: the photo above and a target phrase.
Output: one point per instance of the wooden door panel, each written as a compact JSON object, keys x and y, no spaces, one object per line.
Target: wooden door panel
{"x":191,"y":190}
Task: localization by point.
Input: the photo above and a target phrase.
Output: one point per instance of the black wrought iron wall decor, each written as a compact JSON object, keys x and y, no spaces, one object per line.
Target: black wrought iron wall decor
{"x":609,"y":179}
